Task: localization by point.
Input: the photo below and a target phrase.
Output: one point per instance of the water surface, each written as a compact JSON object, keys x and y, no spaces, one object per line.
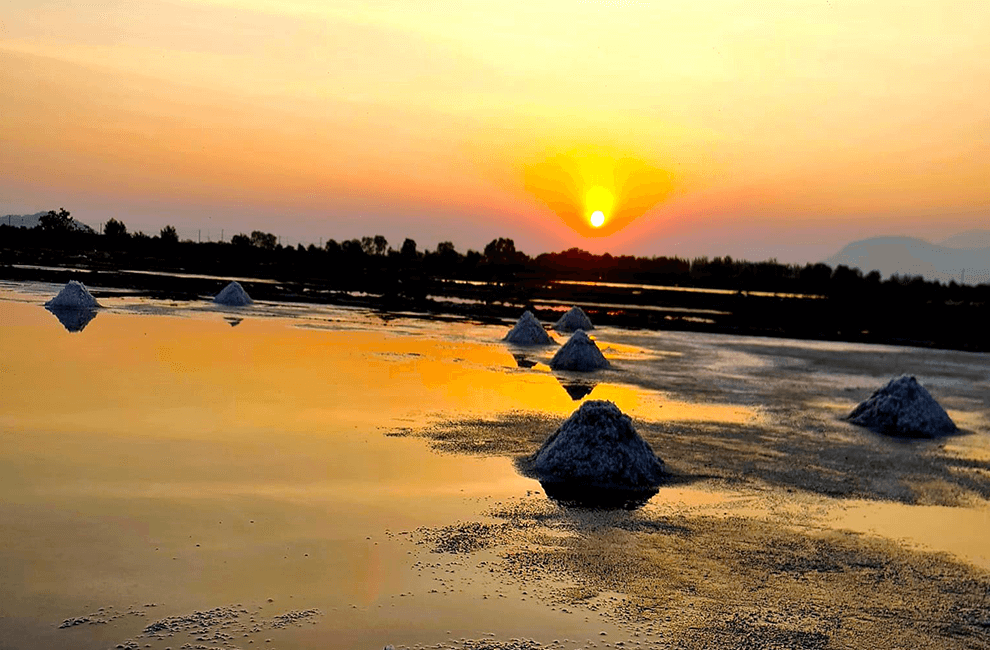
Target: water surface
{"x":163,"y":456}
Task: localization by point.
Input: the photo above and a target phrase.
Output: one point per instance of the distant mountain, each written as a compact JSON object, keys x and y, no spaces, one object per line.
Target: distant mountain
{"x":910,"y":256}
{"x":968,"y":239}
{"x":32,"y":220}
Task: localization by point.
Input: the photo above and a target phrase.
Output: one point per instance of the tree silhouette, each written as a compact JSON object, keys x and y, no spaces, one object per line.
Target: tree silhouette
{"x":446,"y":250}
{"x":355,"y":247}
{"x":115,"y":229}
{"x":500,"y":251}
{"x":264,"y":240}
{"x":376,"y":245}
{"x":54,"y":221}
{"x":409,"y":249}
{"x":169,"y":235}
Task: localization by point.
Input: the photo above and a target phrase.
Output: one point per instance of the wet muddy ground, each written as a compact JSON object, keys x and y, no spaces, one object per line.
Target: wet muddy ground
{"x":754,"y":554}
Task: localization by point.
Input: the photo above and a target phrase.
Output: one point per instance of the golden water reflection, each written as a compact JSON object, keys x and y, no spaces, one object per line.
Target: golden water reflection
{"x":178,"y":460}
{"x":183,"y":377}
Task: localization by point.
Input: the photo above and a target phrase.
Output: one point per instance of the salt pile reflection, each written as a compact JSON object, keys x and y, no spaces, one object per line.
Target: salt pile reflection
{"x":73,"y":320}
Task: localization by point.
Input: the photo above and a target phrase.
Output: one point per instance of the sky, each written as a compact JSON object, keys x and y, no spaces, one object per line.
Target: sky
{"x":776,"y":129}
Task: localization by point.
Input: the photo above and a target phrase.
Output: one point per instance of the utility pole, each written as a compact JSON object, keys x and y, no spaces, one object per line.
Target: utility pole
{"x":199,"y":236}
{"x":221,"y":235}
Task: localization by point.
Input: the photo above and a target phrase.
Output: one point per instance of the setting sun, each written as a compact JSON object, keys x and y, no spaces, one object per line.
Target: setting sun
{"x":595,"y":190}
{"x":599,"y":202}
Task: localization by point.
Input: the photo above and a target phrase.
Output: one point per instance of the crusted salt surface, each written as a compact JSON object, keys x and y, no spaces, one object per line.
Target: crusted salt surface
{"x":579,"y":353}
{"x":574,"y":319}
{"x":903,"y":408}
{"x":233,"y":295}
{"x":597,"y":447}
{"x":73,"y":296}
{"x":528,"y":331}
{"x":220,"y":626}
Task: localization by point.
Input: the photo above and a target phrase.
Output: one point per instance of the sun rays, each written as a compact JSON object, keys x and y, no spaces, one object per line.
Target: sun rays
{"x":597,"y":192}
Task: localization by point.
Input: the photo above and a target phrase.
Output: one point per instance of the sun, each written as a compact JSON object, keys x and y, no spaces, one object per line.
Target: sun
{"x":597,"y":190}
{"x":598,"y":202}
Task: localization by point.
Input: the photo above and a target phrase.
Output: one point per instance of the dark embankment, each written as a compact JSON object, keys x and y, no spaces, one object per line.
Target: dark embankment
{"x":720,"y":295}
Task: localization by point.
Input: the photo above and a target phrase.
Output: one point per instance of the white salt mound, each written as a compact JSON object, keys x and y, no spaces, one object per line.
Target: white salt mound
{"x":528,"y":331}
{"x":598,"y":447}
{"x":233,"y":295}
{"x":574,"y":319}
{"x":903,"y":408}
{"x":73,"y":296}
{"x":579,"y":353}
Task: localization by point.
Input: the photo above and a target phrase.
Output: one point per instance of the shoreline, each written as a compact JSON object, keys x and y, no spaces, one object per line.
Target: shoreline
{"x":761,"y":314}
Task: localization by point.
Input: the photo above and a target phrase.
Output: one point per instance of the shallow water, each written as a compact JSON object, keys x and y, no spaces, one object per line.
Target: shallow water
{"x":162,"y":456}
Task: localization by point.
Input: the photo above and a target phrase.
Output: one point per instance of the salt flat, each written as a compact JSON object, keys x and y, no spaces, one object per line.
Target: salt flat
{"x":332,"y":478}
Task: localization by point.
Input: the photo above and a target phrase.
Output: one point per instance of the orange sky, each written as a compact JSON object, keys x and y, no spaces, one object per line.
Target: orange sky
{"x":782,"y":129}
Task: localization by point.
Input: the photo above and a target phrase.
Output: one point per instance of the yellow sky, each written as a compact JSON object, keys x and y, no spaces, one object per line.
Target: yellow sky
{"x":787,"y":128}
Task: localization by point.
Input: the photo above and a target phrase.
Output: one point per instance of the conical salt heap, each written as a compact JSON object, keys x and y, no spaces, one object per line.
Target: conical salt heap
{"x":596,"y":453}
{"x":574,"y":319}
{"x":903,"y":408}
{"x":579,"y":353}
{"x":233,"y":295}
{"x":73,"y":296}
{"x":528,"y":331}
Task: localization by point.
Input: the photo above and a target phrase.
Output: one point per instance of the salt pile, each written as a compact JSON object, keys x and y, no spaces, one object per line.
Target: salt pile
{"x":597,"y":454}
{"x":574,"y":319}
{"x":73,"y":296}
{"x":233,"y":295}
{"x":528,"y":331}
{"x":903,"y":408}
{"x":579,"y":353}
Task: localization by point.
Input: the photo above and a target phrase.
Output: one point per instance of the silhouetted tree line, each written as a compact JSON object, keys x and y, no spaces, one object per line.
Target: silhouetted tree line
{"x":371,"y":264}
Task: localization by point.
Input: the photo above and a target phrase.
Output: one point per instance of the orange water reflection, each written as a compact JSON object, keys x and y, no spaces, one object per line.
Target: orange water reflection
{"x":179,"y":460}
{"x":182,"y":377}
